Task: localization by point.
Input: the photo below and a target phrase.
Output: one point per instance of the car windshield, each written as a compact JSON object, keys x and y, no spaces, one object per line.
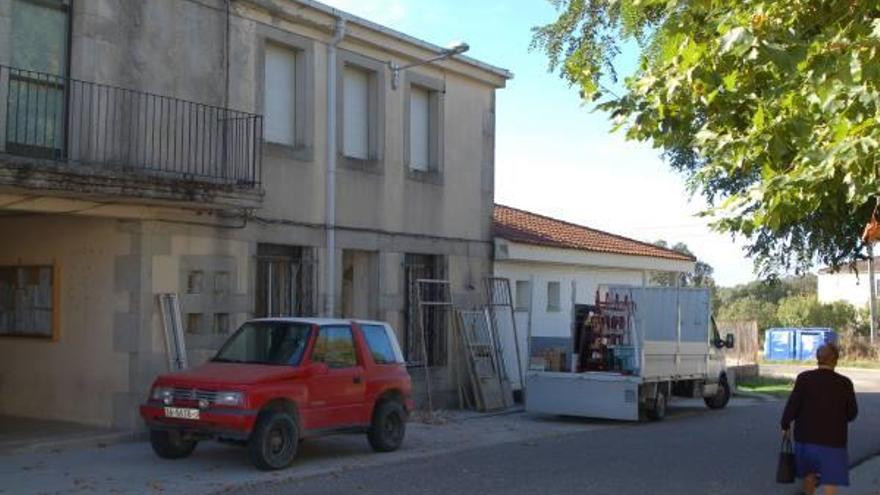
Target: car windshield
{"x":266,"y":342}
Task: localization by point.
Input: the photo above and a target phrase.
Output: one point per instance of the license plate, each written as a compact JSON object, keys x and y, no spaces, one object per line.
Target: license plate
{"x":181,"y":413}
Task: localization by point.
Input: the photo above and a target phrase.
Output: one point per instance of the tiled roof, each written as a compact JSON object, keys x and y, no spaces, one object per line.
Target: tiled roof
{"x":530,"y":228}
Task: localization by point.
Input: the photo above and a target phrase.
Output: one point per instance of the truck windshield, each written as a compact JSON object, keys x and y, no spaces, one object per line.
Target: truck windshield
{"x":266,"y":342}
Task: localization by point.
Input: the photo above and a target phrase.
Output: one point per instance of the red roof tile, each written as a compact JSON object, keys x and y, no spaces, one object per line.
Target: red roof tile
{"x":530,"y":228}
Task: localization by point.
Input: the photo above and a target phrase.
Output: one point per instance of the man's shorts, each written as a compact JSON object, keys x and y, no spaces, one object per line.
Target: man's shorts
{"x":830,"y":464}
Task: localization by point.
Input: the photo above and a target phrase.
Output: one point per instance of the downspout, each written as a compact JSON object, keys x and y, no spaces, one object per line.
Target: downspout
{"x":332,"y":141}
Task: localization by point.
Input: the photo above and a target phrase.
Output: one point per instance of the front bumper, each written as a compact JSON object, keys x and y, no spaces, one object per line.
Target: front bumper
{"x":213,"y":421}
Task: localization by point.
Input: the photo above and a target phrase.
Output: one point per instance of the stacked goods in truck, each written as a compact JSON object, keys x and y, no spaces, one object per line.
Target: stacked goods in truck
{"x":555,"y":359}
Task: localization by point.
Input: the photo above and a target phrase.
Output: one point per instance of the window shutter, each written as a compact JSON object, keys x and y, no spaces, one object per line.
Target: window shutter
{"x":419,"y":129}
{"x":356,"y":113}
{"x":279,"y":105}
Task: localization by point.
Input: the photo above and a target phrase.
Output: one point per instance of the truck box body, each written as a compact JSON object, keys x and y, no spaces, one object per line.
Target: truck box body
{"x":670,"y":338}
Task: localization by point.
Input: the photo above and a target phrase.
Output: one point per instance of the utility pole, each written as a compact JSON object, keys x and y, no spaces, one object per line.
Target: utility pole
{"x":873,"y":290}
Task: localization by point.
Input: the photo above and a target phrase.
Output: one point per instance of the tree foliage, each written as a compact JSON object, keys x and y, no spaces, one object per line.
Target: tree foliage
{"x":750,"y":308}
{"x":700,"y":277}
{"x":807,"y":311}
{"x":772,"y":290}
{"x":769,"y":108}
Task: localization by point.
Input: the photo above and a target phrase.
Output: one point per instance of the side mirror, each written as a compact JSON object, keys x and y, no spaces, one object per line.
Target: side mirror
{"x":315,"y":369}
{"x":729,"y":341}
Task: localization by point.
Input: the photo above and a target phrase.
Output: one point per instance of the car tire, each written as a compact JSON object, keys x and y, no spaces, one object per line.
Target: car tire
{"x":721,"y":397}
{"x":274,"y":441}
{"x":388,"y":427}
{"x":657,"y":411}
{"x":170,"y":445}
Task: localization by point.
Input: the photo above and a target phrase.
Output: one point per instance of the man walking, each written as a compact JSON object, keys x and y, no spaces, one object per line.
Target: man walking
{"x":821,"y":405}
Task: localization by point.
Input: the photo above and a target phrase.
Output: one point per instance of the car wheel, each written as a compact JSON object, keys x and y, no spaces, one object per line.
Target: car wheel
{"x":657,"y":411}
{"x":388,"y":427}
{"x":274,"y":441}
{"x":170,"y":444}
{"x":721,"y":397}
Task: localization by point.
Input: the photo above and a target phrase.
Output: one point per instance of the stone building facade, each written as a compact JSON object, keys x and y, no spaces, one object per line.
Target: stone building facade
{"x":255,"y":157}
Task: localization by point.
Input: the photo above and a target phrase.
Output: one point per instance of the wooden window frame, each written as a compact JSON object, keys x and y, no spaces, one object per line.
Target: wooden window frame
{"x":56,"y":305}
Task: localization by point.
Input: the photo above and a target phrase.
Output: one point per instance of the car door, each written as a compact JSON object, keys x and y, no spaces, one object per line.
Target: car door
{"x":336,"y":397}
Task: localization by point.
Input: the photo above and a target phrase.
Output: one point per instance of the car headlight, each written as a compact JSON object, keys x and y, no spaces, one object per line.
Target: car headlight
{"x":162,"y":393}
{"x":229,"y":399}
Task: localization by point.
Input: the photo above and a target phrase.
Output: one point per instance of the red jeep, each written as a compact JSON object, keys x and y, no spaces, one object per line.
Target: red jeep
{"x":277,"y":380}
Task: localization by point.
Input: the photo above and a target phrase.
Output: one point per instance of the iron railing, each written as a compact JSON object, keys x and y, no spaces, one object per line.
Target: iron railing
{"x":62,"y":119}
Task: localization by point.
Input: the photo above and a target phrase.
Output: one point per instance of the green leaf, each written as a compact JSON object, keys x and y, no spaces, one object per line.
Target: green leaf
{"x":737,"y":41}
{"x":855,"y":67}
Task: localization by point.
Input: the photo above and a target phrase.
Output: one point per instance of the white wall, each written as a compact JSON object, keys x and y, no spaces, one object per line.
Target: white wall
{"x":586,"y":282}
{"x":844,"y":286}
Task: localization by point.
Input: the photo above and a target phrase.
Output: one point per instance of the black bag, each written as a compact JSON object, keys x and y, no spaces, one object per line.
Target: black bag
{"x":785,"y":468}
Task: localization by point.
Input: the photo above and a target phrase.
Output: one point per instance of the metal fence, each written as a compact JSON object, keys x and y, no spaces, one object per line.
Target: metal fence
{"x":48,"y":117}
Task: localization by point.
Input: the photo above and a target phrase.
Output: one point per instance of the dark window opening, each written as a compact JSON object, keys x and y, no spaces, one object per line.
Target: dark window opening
{"x":432,"y":321}
{"x":285,"y":281}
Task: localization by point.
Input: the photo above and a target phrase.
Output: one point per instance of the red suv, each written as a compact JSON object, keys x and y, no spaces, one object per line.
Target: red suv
{"x":277,"y":380}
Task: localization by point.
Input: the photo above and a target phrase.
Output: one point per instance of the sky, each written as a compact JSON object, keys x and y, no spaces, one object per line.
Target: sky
{"x":553,"y":155}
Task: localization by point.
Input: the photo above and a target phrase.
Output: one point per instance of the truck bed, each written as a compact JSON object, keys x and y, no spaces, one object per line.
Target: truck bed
{"x":592,"y":394}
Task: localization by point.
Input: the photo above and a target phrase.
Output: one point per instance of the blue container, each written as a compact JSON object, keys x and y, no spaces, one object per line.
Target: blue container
{"x":795,"y":344}
{"x":779,"y":344}
{"x":810,"y":339}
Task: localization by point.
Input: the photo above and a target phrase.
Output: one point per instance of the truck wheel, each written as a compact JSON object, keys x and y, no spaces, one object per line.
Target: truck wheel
{"x":657,"y":411}
{"x":170,"y":444}
{"x":274,"y":440}
{"x":388,"y":427}
{"x":721,"y":397}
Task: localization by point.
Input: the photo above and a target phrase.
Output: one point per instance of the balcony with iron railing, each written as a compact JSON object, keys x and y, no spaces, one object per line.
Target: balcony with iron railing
{"x":59,"y":133}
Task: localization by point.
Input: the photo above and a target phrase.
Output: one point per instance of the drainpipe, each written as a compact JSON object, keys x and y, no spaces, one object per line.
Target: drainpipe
{"x":330,"y":195}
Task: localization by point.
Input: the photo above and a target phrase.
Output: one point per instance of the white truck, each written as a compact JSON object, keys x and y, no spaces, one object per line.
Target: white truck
{"x":669,"y":346}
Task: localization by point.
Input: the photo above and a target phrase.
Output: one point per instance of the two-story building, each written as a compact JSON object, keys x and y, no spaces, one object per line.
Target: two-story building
{"x":256,"y":157}
{"x":849,"y":284}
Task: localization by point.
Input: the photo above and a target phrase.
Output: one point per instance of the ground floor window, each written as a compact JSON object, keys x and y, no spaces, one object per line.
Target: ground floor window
{"x":434,"y":320}
{"x":285,"y":281}
{"x":28,"y":301}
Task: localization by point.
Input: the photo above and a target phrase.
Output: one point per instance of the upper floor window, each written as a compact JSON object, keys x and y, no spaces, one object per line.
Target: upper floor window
{"x":420,"y":129}
{"x":424,"y":119}
{"x":356,"y":113}
{"x":38,"y":40}
{"x":35,"y":93}
{"x":523,"y":295}
{"x":279,"y":104}
{"x":553,"y":296}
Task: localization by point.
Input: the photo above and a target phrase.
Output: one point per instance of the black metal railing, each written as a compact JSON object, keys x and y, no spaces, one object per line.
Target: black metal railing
{"x":82,"y":123}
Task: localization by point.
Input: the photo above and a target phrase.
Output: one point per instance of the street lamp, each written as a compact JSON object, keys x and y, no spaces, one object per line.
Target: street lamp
{"x":455,"y":49}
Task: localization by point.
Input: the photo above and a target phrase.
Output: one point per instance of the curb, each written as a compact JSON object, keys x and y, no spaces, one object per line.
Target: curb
{"x":755,"y":395}
{"x":98,"y":440}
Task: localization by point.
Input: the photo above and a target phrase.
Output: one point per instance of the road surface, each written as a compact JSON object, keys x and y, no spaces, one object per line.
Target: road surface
{"x":694,"y":451}
{"x":864,"y":379}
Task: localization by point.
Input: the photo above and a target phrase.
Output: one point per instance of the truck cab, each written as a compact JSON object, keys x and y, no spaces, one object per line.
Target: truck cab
{"x":716,"y":390}
{"x":278,"y":380}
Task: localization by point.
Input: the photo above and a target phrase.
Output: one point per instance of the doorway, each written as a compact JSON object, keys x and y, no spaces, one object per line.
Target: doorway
{"x":285,"y":281}
{"x":360,"y":284}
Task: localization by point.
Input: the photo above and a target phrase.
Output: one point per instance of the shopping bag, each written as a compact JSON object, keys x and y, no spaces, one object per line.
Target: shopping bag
{"x":785,"y":468}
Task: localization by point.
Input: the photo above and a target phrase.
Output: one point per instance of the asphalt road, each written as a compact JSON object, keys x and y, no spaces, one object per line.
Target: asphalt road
{"x":864,"y":380}
{"x":694,"y":451}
